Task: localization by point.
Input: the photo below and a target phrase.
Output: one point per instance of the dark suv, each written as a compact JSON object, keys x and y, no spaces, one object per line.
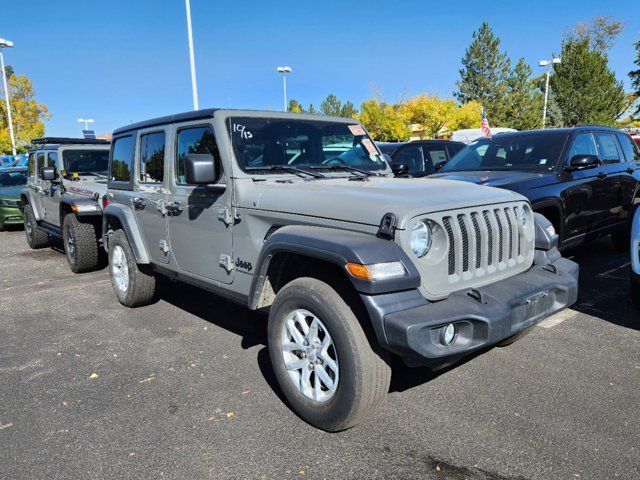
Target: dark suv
{"x":421,"y":157}
{"x":583,"y":179}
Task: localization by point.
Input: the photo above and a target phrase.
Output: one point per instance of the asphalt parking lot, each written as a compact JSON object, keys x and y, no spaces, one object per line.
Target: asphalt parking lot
{"x":183,"y":389}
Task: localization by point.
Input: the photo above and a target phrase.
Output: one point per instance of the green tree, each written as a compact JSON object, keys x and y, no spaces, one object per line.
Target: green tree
{"x":294,"y":106}
{"x":349,"y":110}
{"x":524,"y":102}
{"x":586,"y":89}
{"x":28,"y":115}
{"x":383,"y":121}
{"x":483,"y":76}
{"x":634,"y":75}
{"x":334,"y":107}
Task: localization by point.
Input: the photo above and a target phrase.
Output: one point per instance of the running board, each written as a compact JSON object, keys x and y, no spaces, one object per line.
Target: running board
{"x":50,"y":229}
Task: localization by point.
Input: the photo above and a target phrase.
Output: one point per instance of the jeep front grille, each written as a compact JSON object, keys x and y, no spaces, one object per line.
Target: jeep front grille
{"x":485,"y":243}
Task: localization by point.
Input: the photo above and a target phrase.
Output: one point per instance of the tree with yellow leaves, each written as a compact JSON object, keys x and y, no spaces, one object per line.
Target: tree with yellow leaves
{"x":383,"y":121}
{"x":28,"y":115}
{"x":438,"y":116}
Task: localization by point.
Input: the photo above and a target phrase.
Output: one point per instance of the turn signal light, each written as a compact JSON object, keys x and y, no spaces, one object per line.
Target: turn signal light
{"x":376,"y":271}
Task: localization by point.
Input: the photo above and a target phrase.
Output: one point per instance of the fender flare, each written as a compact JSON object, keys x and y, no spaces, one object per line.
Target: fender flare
{"x":548,"y":203}
{"x":29,"y":195}
{"x":83,"y":206}
{"x":130,"y":226}
{"x":337,"y":247}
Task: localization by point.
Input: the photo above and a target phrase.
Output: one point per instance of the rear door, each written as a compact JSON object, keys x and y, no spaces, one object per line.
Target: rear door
{"x":149,"y":199}
{"x":38,"y":183}
{"x":200,"y":219}
{"x":613,"y":199}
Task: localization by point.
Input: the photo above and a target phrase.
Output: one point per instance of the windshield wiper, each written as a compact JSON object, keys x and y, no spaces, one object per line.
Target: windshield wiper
{"x":284,"y":168}
{"x":347,"y":168}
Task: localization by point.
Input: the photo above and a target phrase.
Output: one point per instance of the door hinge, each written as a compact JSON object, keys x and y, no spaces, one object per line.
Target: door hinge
{"x":164,"y":246}
{"x":228,"y":215}
{"x":226,"y":263}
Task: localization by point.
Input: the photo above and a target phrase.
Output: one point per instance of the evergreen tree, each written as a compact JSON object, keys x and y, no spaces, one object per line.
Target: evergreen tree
{"x":586,"y":89}
{"x":331,"y":106}
{"x":524,"y":103}
{"x":483,"y":76}
{"x":634,"y":75}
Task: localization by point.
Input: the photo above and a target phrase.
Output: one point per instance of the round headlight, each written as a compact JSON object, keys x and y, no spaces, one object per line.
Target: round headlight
{"x":421,"y":237}
{"x":523,"y":217}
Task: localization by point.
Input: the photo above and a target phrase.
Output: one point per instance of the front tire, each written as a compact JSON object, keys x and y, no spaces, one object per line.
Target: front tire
{"x":80,"y":244}
{"x":312,"y":329}
{"x":35,"y":238}
{"x":134,"y":284}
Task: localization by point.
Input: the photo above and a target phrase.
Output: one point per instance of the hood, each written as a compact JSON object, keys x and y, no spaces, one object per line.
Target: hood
{"x":11,"y":193}
{"x":86,"y":188}
{"x":495,"y":178}
{"x":366,"y":202}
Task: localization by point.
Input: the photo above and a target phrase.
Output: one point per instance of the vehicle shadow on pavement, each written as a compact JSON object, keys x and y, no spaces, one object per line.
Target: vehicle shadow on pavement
{"x":604,"y":283}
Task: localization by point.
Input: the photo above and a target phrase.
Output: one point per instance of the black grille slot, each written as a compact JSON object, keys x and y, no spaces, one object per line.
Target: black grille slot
{"x":516,"y":213}
{"x":500,"y":235}
{"x":465,"y":244}
{"x":485,"y":215}
{"x":506,"y":213}
{"x":452,"y":248}
{"x":476,"y":229}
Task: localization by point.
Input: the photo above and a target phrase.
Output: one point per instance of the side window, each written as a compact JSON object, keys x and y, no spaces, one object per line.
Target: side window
{"x":436,"y":155}
{"x":453,"y":149}
{"x":412,"y":157}
{"x":40,"y":163}
{"x":194,"y":140}
{"x":582,"y":145}
{"x":607,"y":148}
{"x":152,"y":157}
{"x":52,"y":161}
{"x":31,"y":168}
{"x":122,"y":160}
{"x":630,"y":150}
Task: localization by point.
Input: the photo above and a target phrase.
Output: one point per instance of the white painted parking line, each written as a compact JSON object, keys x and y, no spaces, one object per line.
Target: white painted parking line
{"x":558,"y":318}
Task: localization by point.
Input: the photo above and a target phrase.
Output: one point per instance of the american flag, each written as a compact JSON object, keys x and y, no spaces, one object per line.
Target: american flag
{"x":486,"y":129}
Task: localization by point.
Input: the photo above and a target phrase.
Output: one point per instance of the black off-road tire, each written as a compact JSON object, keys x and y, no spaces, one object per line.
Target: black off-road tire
{"x":84,"y":255}
{"x":364,"y":375}
{"x":621,"y":239}
{"x":634,"y":290}
{"x":141,"y":279}
{"x":514,"y":338}
{"x":35,"y":238}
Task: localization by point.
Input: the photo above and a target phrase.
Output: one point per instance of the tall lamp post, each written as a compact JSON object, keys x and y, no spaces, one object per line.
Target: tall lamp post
{"x":549,"y":64}
{"x":7,"y":44}
{"x":86,"y":122}
{"x":192,"y":61}
{"x":284,"y":71}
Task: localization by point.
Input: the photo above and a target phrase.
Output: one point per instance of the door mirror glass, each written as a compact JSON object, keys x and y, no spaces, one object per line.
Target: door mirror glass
{"x":580,"y":162}
{"x":400,"y":168}
{"x":200,"y":169}
{"x":48,"y":173}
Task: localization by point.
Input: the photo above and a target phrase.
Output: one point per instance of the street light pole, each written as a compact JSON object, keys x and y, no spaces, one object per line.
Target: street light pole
{"x":549,"y":64}
{"x":86,"y":122}
{"x":7,"y":44}
{"x":192,"y":61}
{"x":284,"y":71}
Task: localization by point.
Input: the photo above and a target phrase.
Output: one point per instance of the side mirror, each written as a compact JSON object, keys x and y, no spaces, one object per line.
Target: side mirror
{"x":581,"y":162}
{"x":48,"y":173}
{"x":200,"y":169}
{"x":400,"y":168}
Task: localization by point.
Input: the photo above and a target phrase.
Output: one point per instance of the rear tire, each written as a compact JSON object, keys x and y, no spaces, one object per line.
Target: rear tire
{"x":35,"y":238}
{"x":134,"y":284}
{"x":80,"y":244}
{"x":355,"y":378}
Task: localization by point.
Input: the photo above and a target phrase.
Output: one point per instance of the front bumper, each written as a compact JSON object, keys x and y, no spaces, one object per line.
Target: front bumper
{"x":10,"y":216}
{"x":410,"y":326}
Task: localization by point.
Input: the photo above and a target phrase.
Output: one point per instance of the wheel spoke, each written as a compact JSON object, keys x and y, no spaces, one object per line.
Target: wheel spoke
{"x":294,"y":332}
{"x":313,"y":331}
{"x":301,"y":319}
{"x":292,"y":347}
{"x":324,"y":376}
{"x":317,"y":388}
{"x":305,"y":379}
{"x":329,"y":362}
{"x":296,"y":364}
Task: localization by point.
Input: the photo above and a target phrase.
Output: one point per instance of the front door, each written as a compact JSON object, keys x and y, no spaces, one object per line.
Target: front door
{"x":51,"y":191}
{"x":150,"y":195}
{"x":200,"y":219}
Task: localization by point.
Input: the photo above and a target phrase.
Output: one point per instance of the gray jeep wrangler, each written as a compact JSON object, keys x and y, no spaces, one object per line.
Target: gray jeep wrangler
{"x":300,"y":216}
{"x":67,"y":181}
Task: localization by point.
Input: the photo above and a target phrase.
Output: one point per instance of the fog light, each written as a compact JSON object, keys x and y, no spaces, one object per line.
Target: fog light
{"x":447,"y":333}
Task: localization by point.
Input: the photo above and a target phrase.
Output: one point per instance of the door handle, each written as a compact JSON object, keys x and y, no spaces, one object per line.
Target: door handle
{"x":138,"y":203}
{"x":602,"y":175}
{"x":630,"y":170}
{"x":174,"y":209}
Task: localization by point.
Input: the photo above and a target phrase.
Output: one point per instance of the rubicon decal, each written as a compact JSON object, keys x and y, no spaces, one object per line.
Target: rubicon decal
{"x":82,"y":191}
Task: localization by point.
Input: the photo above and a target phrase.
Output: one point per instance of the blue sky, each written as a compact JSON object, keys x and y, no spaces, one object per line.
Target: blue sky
{"x":123,"y":61}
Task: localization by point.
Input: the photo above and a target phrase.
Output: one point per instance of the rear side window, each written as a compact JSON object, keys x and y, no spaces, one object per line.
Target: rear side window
{"x":152,"y":157}
{"x":31,"y":168}
{"x":122,"y":160}
{"x":607,"y":148}
{"x":412,"y":157}
{"x":196,"y":140}
{"x":630,"y":150}
{"x":40,"y":162}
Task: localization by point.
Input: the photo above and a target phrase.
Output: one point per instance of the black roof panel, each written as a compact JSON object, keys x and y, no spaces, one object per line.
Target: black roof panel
{"x":178,"y":117}
{"x":69,"y":141}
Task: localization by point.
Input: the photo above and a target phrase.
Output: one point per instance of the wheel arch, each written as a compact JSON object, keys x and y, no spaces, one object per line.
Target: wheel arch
{"x":552,"y":210}
{"x":116,"y":217}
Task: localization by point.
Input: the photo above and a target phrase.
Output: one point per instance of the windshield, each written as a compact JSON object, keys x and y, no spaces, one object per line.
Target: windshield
{"x":13,"y":179}
{"x":274,"y":142}
{"x":531,"y":153}
{"x":86,"y":161}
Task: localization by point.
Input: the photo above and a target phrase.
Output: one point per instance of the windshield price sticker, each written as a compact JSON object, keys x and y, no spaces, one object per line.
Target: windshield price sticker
{"x":356,"y":130}
{"x":371,"y":148}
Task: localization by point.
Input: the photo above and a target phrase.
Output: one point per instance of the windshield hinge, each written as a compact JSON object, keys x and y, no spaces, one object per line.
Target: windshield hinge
{"x":227,"y":263}
{"x":387,"y":229}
